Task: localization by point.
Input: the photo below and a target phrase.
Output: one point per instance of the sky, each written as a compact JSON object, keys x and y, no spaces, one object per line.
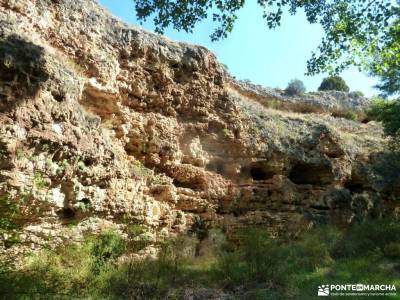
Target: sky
{"x":251,"y":51}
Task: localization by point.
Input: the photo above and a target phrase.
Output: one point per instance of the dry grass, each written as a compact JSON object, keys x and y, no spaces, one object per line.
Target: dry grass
{"x":304,"y":107}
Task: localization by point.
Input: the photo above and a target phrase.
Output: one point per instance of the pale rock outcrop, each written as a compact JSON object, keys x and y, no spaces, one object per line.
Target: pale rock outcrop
{"x":322,"y":99}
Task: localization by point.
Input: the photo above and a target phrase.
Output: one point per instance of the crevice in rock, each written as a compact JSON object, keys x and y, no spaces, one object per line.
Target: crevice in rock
{"x":84,"y":201}
{"x":66,"y":213}
{"x":259,"y":171}
{"x":58,"y":96}
{"x":216,"y":167}
{"x":187,"y":185}
{"x":319,"y":207}
{"x":304,"y":173}
{"x":100,"y":102}
{"x":354,"y":185}
{"x":89,"y":161}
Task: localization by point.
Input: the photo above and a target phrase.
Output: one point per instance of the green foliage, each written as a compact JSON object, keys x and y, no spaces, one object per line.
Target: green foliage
{"x":370,"y":236}
{"x":38,"y":181}
{"x":45,"y":147}
{"x":84,"y":206}
{"x":258,"y":258}
{"x":108,"y":245}
{"x":8,"y":209}
{"x":20,"y":153}
{"x":333,"y":83}
{"x":8,"y":225}
{"x":226,"y":132}
{"x":110,"y":123}
{"x":81,"y":165}
{"x":385,"y":61}
{"x":356,"y":94}
{"x":263,"y":267}
{"x":139,"y":170}
{"x":357,"y":32}
{"x":73,"y":271}
{"x":134,"y":230}
{"x":392,"y":250}
{"x":295,"y":87}
{"x":387,"y":112}
{"x":347,"y":114}
{"x":137,"y":240}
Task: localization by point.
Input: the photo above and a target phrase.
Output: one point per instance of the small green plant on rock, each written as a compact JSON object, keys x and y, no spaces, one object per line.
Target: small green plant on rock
{"x":45,"y":147}
{"x":81,"y":165}
{"x":110,"y":123}
{"x":84,"y":206}
{"x":345,"y":113}
{"x":20,"y":154}
{"x":226,"y":132}
{"x":137,"y":240}
{"x":139,"y":170}
{"x":63,"y":165}
{"x":38,"y":181}
{"x":9,"y":209}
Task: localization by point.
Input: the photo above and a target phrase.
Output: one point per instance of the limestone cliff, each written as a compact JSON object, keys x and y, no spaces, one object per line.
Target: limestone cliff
{"x":105,"y":124}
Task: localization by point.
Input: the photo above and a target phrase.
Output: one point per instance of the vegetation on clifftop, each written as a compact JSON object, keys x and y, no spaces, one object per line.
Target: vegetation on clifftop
{"x":365,"y":34}
{"x":295,"y":87}
{"x":388,"y":112}
{"x":333,"y":83}
{"x":254,"y":266}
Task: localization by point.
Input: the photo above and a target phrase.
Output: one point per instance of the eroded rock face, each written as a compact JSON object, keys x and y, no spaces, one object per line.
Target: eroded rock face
{"x":104,"y":124}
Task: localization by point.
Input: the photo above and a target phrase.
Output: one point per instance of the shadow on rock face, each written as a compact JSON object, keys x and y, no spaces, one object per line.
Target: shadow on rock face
{"x":22,"y":71}
{"x":386,"y":166}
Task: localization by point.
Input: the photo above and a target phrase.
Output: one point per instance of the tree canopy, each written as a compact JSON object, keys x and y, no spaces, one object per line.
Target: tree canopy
{"x":295,"y":87}
{"x":385,"y":62}
{"x":388,"y":113}
{"x":333,"y":83}
{"x":356,"y":31}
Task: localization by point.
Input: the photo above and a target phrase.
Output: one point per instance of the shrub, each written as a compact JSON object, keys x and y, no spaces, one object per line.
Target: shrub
{"x":252,"y":266}
{"x":345,"y":113}
{"x":387,"y":112}
{"x":225,"y":67}
{"x":369,"y":236}
{"x":333,"y":83}
{"x":356,"y":94}
{"x":313,"y":248}
{"x":257,"y":259}
{"x":9,"y":211}
{"x":154,"y":279}
{"x":392,"y":250}
{"x":70,"y":271}
{"x":298,"y":106}
{"x":109,"y":245}
{"x":295,"y":87}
